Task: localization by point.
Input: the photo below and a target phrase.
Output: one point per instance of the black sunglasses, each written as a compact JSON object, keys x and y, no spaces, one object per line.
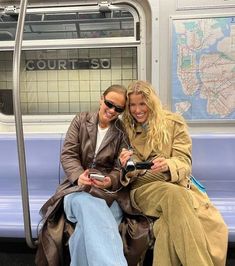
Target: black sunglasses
{"x":110,"y":105}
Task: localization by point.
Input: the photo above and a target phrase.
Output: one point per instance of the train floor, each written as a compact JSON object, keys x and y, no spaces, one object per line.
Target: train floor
{"x":18,"y":254}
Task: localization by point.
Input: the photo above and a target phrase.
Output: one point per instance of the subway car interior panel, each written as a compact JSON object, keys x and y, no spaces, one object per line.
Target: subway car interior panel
{"x":56,"y":59}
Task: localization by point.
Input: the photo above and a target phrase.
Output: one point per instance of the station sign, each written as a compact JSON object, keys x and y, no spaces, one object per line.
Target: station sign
{"x":68,"y":64}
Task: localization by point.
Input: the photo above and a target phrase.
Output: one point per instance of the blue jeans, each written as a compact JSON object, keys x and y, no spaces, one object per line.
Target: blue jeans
{"x":96,"y":240}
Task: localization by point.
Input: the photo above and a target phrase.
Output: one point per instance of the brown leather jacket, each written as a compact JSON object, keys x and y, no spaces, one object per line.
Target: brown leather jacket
{"x":78,"y":152}
{"x":77,"y":155}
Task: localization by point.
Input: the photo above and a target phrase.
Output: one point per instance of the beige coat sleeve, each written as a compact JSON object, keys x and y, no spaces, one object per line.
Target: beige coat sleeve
{"x":179,"y":160}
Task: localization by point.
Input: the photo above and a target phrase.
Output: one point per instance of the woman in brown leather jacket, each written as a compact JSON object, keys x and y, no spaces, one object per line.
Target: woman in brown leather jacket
{"x":89,"y":158}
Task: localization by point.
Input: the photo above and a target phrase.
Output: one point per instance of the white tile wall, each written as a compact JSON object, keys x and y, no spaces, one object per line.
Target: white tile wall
{"x":53,"y":97}
{"x":9,"y":85}
{"x":68,"y":91}
{"x":95,"y":86}
{"x":95,"y":75}
{"x":84,"y":85}
{"x":73,"y":75}
{"x":84,"y":106}
{"x":32,"y":97}
{"x":53,"y":86}
{"x":42,"y":86}
{"x":74,"y":85}
{"x":74,"y":97}
{"x":32,"y":108}
{"x":31,"y":76}
{"x":105,"y":74}
{"x":63,"y":97}
{"x":63,"y":85}
{"x":74,"y":107}
{"x":51,"y":75}
{"x":84,"y":75}
{"x":53,"y":108}
{"x":85,"y":96}
{"x":63,"y":108}
{"x":116,"y":74}
{"x":43,"y":108}
{"x":3,"y":85}
{"x":43,"y":97}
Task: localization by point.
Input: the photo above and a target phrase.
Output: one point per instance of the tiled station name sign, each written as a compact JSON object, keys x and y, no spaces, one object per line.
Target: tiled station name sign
{"x":68,"y":64}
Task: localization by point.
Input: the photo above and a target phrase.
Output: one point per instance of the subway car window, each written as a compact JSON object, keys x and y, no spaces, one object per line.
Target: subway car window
{"x":69,"y":25}
{"x":56,"y":78}
{"x":65,"y":81}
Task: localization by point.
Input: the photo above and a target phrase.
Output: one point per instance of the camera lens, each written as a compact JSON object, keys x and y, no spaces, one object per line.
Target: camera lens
{"x":130,"y":166}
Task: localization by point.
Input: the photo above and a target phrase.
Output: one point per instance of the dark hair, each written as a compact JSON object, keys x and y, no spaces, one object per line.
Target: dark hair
{"x":115,"y":88}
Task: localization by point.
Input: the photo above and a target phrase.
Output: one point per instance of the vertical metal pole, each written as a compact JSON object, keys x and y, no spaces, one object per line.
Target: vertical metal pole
{"x":18,"y":122}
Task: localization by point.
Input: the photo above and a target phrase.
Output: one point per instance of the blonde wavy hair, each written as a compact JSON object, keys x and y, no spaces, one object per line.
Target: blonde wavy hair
{"x":157,"y":132}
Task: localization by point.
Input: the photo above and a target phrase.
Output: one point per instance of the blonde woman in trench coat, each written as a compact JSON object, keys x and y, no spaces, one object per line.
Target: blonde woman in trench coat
{"x":189,"y":230}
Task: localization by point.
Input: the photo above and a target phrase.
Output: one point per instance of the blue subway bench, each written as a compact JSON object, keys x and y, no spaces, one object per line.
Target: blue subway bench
{"x":213,"y":165}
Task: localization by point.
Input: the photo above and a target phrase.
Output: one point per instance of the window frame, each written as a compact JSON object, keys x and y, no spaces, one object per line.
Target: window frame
{"x":57,"y":44}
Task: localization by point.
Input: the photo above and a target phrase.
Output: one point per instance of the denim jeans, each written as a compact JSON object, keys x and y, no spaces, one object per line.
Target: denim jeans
{"x":96,"y":240}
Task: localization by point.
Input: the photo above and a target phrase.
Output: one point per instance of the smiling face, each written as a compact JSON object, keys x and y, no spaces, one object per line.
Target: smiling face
{"x":108,"y":114}
{"x":138,"y":108}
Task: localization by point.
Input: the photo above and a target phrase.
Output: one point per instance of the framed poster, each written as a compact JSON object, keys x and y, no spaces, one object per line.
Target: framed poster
{"x":203,"y":4}
{"x":203,"y":67}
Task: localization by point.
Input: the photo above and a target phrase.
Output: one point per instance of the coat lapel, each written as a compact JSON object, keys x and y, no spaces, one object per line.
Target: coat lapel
{"x":92,"y":129}
{"x":142,"y":150}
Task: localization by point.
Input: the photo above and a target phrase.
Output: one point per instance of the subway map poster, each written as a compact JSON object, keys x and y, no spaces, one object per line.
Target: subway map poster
{"x":203,"y":68}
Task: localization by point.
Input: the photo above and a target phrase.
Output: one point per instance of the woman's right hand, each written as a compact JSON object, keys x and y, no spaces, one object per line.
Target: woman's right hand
{"x":124,"y":156}
{"x":84,"y":178}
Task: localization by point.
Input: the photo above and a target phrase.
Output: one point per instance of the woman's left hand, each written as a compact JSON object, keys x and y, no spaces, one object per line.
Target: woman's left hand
{"x":124,"y":156}
{"x":159,"y":165}
{"x":105,"y":183}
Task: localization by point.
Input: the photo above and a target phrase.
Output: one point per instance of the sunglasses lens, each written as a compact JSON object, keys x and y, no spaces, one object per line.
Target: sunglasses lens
{"x":111,"y":105}
{"x":119,"y":109}
{"x":108,"y":104}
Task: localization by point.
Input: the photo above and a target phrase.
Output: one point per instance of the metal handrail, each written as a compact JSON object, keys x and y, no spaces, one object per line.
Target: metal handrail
{"x":19,"y":127}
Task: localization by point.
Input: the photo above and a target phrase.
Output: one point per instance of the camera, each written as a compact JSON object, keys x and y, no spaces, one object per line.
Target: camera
{"x":131,"y":165}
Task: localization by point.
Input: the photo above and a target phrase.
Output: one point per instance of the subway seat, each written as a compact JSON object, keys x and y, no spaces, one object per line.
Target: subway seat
{"x":43,"y":172}
{"x":213,"y":165}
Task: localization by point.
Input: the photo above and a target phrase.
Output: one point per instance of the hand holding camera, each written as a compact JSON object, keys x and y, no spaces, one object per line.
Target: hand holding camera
{"x":131,"y":165}
{"x":128,"y":163}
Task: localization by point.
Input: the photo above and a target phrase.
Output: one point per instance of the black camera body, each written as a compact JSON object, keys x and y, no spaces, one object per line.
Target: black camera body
{"x":131,"y":165}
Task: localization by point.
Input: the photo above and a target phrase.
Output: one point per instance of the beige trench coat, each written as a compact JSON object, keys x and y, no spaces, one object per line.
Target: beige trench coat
{"x":178,"y":155}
